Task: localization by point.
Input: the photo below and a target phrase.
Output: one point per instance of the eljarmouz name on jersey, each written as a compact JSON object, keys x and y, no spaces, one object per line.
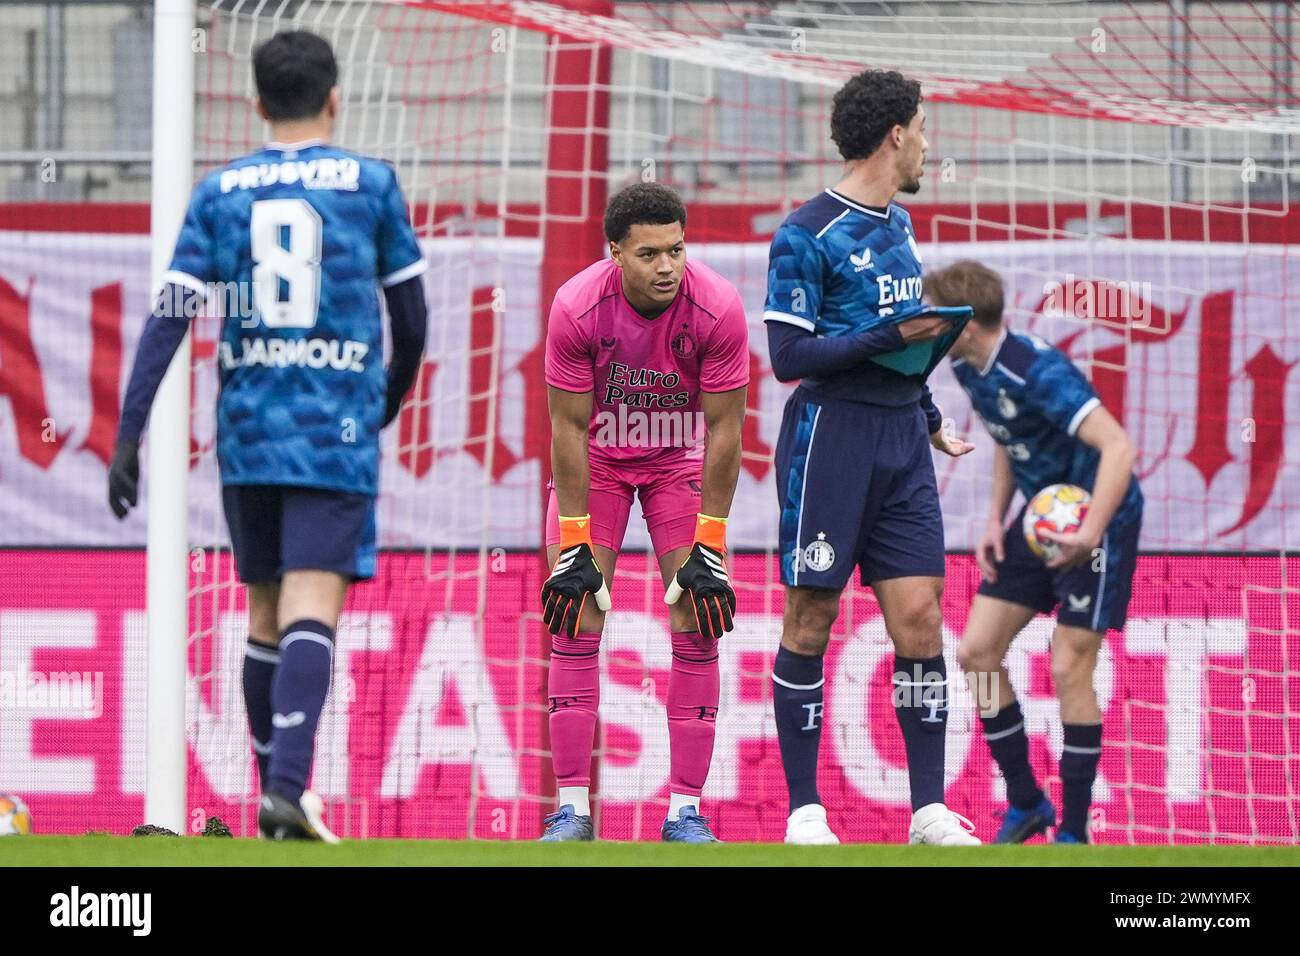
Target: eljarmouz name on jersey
{"x":324,"y":173}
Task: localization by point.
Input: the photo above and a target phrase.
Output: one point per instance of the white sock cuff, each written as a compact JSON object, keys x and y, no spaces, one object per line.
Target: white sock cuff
{"x":678,"y":800}
{"x":577,"y":797}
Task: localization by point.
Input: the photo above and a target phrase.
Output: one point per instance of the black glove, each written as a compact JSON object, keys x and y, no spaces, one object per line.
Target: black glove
{"x":705,"y":577}
{"x":124,"y":478}
{"x":574,"y":577}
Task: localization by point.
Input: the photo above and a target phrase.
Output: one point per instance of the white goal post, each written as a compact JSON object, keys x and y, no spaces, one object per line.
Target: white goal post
{"x":167,"y":467}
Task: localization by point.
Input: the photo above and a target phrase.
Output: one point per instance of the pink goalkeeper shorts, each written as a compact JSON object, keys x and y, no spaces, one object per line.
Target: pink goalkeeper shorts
{"x":670,"y":500}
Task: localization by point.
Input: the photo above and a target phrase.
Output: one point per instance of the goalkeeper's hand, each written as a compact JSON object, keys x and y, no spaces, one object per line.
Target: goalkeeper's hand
{"x":124,"y":478}
{"x":574,"y":577}
{"x":705,"y":577}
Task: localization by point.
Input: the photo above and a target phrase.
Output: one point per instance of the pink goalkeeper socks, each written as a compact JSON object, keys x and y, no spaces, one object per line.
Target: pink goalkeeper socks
{"x":573,"y":689}
{"x":693,"y":692}
{"x":574,"y":695}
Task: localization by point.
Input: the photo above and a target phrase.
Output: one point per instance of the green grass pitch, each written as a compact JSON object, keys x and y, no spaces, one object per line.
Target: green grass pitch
{"x":209,"y":851}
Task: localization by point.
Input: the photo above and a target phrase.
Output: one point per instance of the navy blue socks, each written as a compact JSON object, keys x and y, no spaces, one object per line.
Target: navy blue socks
{"x":1078,"y":771}
{"x":260,"y":661}
{"x":797,"y":685}
{"x":1005,"y":734}
{"x":298,"y":693}
{"x":921,"y":704}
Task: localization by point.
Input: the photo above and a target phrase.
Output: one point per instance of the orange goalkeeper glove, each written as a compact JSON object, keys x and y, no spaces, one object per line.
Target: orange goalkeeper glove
{"x":574,"y":576}
{"x":705,"y":577}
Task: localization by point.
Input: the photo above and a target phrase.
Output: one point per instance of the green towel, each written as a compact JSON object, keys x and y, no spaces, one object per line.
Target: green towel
{"x":921,"y":358}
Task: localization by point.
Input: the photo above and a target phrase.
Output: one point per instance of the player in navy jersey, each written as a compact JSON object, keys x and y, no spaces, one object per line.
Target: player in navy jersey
{"x":855,"y":477}
{"x":310,"y":232}
{"x":1050,"y":428}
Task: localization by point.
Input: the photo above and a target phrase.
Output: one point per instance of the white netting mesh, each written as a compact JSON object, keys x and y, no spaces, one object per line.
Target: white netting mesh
{"x":1070,"y":144}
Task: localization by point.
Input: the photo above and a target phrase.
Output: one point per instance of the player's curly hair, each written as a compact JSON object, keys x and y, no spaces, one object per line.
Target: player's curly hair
{"x":868,"y":106}
{"x":642,"y":204}
{"x":294,"y":71}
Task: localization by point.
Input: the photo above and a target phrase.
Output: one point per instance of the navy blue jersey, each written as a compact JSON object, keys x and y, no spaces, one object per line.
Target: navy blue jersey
{"x":304,"y":232}
{"x":1033,"y":399}
{"x":837,"y":267}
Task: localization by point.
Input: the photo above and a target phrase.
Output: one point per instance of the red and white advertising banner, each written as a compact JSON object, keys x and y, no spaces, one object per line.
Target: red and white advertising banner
{"x":1191,"y":344}
{"x":434,"y":727}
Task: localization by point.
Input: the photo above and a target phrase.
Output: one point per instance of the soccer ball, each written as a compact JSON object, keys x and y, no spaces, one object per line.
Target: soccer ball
{"x":15,"y":818}
{"x":1057,"y":508}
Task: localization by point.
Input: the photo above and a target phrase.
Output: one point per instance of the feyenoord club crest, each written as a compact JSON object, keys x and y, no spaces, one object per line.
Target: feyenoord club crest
{"x":819,"y":555}
{"x":683,"y":345}
{"x":1006,"y":407}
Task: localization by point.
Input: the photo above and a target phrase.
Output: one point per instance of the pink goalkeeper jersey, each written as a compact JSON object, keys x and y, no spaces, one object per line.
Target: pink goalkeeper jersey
{"x":647,"y":374}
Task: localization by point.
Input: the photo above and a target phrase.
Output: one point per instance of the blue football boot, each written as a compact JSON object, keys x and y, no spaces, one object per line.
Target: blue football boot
{"x":1019,"y":825}
{"x":689,"y":827}
{"x":564,"y":825}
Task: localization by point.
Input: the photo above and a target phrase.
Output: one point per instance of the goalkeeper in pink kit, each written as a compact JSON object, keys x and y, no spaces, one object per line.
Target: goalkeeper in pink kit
{"x":647,"y":364}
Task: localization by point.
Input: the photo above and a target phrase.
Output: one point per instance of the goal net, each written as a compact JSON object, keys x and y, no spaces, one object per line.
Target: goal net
{"x":1126,"y":167}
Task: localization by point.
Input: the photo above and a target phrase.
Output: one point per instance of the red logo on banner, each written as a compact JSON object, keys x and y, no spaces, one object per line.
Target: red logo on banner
{"x":757,"y":454}
{"x":105,"y":369}
{"x":483,"y":395}
{"x":1140,"y":322}
{"x":39,"y":437}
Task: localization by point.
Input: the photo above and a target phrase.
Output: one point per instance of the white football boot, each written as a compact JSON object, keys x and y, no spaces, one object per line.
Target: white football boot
{"x":936,"y":825}
{"x":313,"y":808}
{"x":807,"y":826}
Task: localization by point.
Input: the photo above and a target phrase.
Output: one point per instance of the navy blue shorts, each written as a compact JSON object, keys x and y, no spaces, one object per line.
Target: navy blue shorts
{"x":1094,"y":595}
{"x":279,"y":528}
{"x":857,"y":489}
